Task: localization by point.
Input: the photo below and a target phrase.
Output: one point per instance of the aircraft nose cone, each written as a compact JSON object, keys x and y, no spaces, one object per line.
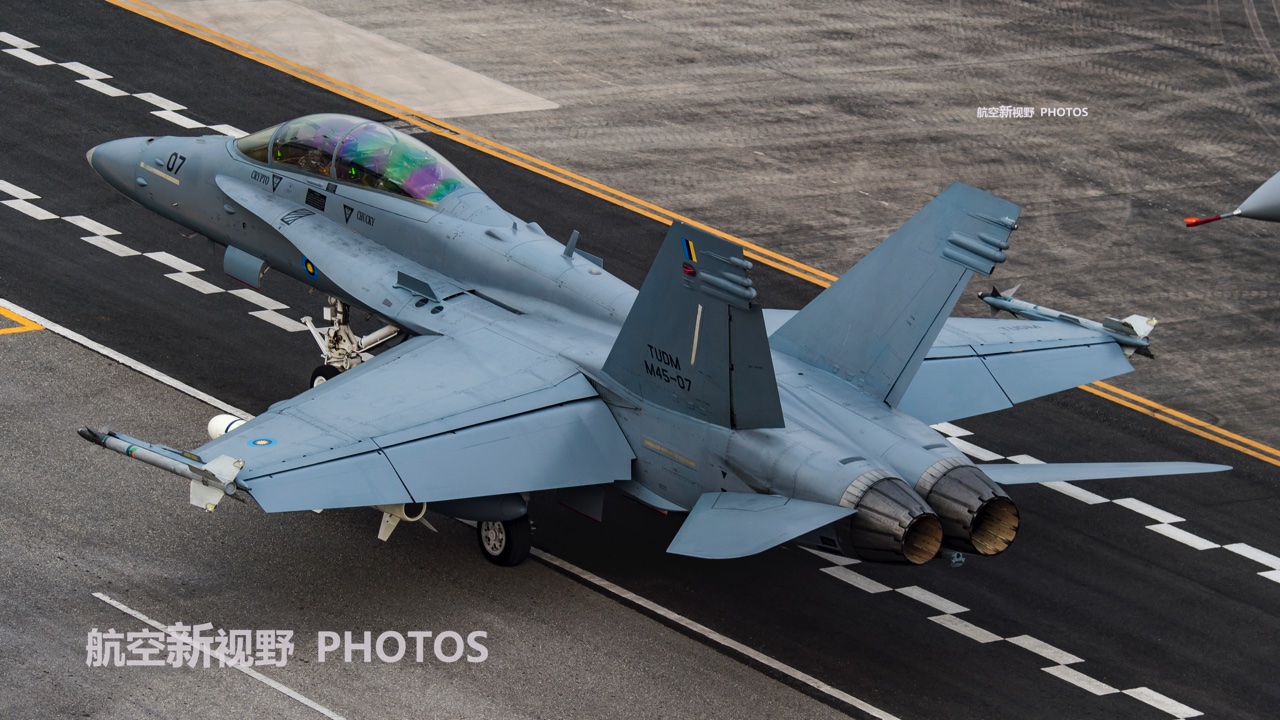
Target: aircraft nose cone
{"x":117,"y":162}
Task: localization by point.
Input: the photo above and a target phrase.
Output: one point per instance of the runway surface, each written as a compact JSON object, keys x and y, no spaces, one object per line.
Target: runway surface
{"x":1136,"y":599}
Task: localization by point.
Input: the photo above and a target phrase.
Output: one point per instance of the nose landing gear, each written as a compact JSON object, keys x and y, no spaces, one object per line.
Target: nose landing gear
{"x":340,"y":348}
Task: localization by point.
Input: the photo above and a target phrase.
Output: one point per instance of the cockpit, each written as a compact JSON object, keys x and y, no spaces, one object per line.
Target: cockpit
{"x":360,"y":152}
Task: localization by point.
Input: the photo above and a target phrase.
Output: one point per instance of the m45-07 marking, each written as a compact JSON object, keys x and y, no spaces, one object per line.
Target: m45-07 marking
{"x":659,"y":369}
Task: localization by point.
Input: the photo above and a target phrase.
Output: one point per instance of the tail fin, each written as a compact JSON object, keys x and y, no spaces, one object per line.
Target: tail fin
{"x":694,"y":341}
{"x":875,"y":325}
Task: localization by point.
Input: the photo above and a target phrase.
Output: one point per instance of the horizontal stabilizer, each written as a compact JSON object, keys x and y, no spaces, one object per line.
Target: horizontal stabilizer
{"x":1059,"y":472}
{"x":732,"y":525}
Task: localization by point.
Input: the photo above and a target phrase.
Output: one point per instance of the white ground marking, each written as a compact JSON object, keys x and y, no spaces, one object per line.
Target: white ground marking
{"x":1182,"y":536}
{"x":1272,"y":575}
{"x":862,"y":582}
{"x":837,"y":559}
{"x":1160,"y":702}
{"x":92,"y":226}
{"x":194,"y":283}
{"x":105,"y":89}
{"x":937,"y":602}
{"x":27,"y":208}
{"x":317,"y":41}
{"x":714,"y":636}
{"x":218,"y":656}
{"x":30,"y":57}
{"x":1150,"y":511}
{"x":111,"y":246}
{"x":950,"y":430}
{"x":968,"y":629}
{"x":1255,"y":555}
{"x":128,"y":362}
{"x":1078,"y":493}
{"x":85,"y":70}
{"x":259,"y":299}
{"x":162,"y":103}
{"x":279,"y":320}
{"x":1024,"y":460}
{"x":16,"y":41}
{"x":231,"y":130}
{"x":16,"y":192}
{"x":1079,"y":679}
{"x":1044,"y":650}
{"x":174,"y":262}
{"x":181,"y":120}
{"x":972,"y":450}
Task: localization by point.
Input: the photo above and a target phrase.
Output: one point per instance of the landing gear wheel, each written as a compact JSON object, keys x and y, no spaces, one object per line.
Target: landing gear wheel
{"x":323,"y":374}
{"x":505,"y":542}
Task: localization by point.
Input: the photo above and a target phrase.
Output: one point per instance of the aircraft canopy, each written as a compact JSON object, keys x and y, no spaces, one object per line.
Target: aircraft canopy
{"x":360,"y":152}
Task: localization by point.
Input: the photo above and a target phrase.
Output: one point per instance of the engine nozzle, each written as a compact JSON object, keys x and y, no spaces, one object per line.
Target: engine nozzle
{"x":976,"y":513}
{"x":892,"y":523}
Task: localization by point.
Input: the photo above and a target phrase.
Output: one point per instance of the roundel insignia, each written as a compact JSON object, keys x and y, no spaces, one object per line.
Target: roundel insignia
{"x":262,"y":442}
{"x":309,"y":267}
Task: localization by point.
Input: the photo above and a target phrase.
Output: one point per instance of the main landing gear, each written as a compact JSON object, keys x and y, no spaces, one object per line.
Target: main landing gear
{"x":505,"y":542}
{"x":339,"y":346}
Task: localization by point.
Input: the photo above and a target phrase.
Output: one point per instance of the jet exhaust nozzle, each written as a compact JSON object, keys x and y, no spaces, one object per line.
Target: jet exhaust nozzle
{"x":976,"y":513}
{"x":892,"y":524}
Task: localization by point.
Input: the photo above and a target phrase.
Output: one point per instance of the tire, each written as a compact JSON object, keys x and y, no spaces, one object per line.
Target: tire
{"x":505,"y":542}
{"x":323,"y":374}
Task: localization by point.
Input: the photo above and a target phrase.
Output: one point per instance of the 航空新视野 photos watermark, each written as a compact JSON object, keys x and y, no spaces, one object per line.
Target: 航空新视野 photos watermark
{"x":191,"y":645}
{"x":1020,"y":112}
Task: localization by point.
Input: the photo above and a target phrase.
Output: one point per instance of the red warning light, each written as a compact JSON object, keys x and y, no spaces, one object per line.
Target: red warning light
{"x":689,"y":269}
{"x":1194,"y":221}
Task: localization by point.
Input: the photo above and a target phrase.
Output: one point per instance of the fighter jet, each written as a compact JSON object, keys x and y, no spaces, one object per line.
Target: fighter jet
{"x":1263,"y":204}
{"x":1130,"y":333}
{"x":527,"y":367}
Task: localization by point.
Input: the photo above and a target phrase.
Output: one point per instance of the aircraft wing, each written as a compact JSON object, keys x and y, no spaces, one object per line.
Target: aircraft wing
{"x":980,"y":365}
{"x":436,"y":418}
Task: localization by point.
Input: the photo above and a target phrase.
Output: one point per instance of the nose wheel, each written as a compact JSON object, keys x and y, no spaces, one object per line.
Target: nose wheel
{"x":340,"y":348}
{"x":505,"y":542}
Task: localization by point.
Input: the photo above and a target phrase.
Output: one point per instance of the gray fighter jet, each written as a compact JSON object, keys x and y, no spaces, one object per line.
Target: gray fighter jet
{"x":528,"y":367}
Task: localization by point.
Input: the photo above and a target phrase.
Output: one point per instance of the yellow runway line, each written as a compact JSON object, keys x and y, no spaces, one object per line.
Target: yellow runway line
{"x":24,"y":325}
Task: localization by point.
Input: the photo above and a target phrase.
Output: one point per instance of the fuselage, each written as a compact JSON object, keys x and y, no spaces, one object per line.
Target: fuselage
{"x":838,"y":445}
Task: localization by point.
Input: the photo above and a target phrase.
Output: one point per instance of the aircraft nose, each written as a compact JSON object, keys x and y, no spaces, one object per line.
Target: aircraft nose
{"x":117,"y":162}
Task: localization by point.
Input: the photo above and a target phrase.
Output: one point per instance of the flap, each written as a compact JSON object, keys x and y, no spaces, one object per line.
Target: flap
{"x":979,"y":366}
{"x":731,"y":525}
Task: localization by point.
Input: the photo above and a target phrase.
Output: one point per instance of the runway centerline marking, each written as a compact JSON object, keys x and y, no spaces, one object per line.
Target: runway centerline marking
{"x":273,"y":684}
{"x":1080,"y":680}
{"x":1044,"y":649}
{"x":1150,"y":511}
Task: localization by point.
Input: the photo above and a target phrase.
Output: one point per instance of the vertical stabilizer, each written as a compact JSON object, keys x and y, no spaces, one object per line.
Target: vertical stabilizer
{"x":875,"y":325}
{"x":694,"y":341}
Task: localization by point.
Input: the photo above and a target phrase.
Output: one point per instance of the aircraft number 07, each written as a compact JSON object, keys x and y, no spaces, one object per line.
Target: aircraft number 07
{"x":175,"y":163}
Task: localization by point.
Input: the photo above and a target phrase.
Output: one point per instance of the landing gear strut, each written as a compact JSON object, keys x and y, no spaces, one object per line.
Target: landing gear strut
{"x":505,"y":542}
{"x":340,"y":348}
